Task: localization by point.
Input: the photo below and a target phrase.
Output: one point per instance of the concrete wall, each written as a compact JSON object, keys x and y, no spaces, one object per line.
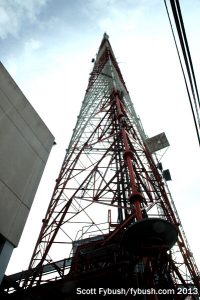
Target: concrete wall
{"x":6,"y":249}
{"x":25,"y":144}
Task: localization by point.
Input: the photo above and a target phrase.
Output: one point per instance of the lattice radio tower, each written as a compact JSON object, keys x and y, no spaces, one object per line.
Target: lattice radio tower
{"x":111,"y":221}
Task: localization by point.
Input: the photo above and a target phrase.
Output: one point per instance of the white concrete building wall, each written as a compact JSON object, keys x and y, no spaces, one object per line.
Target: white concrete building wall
{"x":25,"y":144}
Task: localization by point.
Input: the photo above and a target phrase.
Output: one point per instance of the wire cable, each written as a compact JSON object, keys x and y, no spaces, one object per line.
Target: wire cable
{"x":188,"y":61}
{"x":188,"y":50}
{"x":185,"y":50}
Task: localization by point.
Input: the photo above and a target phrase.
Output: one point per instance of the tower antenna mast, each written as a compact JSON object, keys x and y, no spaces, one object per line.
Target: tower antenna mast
{"x":111,"y":221}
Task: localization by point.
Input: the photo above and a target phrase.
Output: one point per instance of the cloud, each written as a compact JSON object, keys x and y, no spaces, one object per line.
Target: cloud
{"x":124,"y":23}
{"x":14,"y":14}
{"x":32,"y":45}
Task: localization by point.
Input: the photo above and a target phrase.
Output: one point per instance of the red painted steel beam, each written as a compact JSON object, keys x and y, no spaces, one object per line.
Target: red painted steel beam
{"x":135,"y":198}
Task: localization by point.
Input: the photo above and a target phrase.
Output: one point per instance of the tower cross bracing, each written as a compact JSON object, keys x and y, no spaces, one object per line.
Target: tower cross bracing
{"x":110,"y":194}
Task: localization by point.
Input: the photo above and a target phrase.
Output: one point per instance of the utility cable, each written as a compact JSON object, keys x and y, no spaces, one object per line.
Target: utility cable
{"x":186,"y":62}
{"x":185,"y":50}
{"x":188,"y":50}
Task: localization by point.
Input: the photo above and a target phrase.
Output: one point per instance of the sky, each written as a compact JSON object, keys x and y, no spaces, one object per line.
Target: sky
{"x":47,"y":47}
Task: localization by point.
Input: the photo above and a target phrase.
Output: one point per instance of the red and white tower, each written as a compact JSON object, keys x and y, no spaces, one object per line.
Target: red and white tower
{"x":111,"y":221}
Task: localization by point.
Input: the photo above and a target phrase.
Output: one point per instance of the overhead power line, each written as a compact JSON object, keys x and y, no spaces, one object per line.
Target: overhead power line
{"x":185,"y":62}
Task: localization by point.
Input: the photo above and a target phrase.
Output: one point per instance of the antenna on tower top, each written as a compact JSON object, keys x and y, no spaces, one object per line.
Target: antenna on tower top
{"x":106,"y":36}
